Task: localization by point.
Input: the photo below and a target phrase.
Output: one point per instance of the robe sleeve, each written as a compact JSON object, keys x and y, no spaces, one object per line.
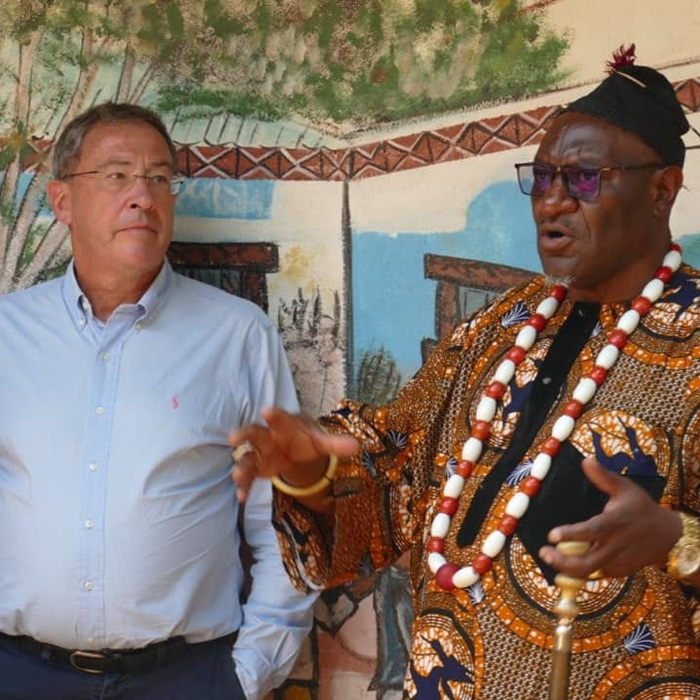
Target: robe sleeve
{"x":381,"y":494}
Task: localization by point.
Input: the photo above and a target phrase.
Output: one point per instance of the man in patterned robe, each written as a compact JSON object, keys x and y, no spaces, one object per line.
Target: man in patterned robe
{"x":626,"y":477}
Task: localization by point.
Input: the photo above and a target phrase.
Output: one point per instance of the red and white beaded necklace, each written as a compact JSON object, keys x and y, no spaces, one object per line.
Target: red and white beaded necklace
{"x":448,"y":575}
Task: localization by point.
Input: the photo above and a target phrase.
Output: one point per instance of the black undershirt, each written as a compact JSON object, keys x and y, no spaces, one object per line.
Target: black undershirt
{"x":566,"y":496}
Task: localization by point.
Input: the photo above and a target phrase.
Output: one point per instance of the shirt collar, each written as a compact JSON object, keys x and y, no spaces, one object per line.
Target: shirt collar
{"x":80,"y":308}
{"x":153,"y":297}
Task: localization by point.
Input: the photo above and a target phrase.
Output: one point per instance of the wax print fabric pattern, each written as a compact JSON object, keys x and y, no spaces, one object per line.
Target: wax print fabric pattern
{"x":635,"y":637}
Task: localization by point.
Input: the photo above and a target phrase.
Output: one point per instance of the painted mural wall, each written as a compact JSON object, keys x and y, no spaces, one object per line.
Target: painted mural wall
{"x":350,"y":168}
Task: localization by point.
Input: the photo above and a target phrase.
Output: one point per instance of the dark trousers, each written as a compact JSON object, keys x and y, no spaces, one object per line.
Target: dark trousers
{"x":207,"y":671}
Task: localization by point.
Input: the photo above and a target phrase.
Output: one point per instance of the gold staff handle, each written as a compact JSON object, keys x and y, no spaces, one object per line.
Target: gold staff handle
{"x":566,"y":609}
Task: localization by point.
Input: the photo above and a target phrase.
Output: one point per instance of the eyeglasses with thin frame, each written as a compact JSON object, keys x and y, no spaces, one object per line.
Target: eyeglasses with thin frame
{"x":118,"y":182}
{"x":583,"y":183}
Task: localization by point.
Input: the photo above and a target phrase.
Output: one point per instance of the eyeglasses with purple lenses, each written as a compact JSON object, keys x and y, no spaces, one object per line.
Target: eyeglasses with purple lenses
{"x":580,"y":182}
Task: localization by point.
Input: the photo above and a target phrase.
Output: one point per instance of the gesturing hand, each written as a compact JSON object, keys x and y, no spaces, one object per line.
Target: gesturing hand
{"x":291,"y":446}
{"x":632,"y":532}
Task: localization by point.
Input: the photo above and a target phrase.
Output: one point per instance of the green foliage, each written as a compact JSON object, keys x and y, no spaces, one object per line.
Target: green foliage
{"x":220,"y":20}
{"x":517,"y":61}
{"x":32,"y":241}
{"x":211,"y":102}
{"x":53,"y":271}
{"x":378,"y":379}
{"x":368,"y":61}
{"x":365,"y":61}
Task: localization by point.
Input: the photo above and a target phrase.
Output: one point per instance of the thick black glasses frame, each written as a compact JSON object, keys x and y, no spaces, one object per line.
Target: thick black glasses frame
{"x":571,"y":173}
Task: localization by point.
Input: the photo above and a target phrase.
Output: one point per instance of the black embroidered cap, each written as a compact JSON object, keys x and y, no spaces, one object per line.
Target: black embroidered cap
{"x":641,"y":100}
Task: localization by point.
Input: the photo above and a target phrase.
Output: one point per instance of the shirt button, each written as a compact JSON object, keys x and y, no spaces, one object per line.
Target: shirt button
{"x":92,"y":466}
{"x":106,"y":356}
{"x":100,"y":410}
{"x":81,"y":322}
{"x":138,"y":325}
{"x":546,"y":381}
{"x":88,"y":585}
{"x":89,"y":524}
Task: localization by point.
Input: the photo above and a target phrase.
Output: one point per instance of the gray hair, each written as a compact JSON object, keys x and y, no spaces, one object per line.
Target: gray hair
{"x":69,"y":144}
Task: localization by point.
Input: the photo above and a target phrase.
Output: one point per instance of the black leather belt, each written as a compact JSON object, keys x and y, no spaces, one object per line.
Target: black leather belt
{"x":113,"y":660}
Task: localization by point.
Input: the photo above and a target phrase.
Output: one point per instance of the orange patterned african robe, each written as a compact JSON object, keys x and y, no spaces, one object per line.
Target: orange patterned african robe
{"x":635,"y":637}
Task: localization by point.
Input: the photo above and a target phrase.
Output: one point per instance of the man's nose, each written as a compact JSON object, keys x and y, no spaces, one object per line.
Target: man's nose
{"x":557,"y":197}
{"x":140,"y":193}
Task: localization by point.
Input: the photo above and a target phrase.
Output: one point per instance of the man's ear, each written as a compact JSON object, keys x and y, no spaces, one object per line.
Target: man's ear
{"x":60,"y":200}
{"x":667,"y":182}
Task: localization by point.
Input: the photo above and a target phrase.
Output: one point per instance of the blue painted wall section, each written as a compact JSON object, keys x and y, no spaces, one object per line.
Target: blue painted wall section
{"x":214,"y":198}
{"x":393,"y":303}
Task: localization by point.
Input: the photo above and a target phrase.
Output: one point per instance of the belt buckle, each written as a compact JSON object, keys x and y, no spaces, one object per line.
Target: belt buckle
{"x":75,"y":657}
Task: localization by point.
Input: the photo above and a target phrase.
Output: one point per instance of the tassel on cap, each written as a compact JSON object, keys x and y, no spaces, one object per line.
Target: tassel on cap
{"x":622,"y":58}
{"x":641,"y":100}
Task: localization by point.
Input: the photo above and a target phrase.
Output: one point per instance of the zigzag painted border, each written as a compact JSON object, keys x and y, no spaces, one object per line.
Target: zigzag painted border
{"x":391,"y":155}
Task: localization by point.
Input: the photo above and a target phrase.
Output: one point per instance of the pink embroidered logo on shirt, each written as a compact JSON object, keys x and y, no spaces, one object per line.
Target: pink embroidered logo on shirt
{"x":174,"y":401}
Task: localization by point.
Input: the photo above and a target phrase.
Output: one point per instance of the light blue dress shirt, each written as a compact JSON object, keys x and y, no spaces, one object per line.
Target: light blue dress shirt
{"x":117,"y":512}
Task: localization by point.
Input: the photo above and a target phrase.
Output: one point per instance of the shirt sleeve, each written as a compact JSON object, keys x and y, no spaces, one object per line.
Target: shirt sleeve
{"x":277,"y":617}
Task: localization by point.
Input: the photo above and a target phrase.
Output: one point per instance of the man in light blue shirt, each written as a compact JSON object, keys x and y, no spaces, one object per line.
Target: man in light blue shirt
{"x":120,"y":574}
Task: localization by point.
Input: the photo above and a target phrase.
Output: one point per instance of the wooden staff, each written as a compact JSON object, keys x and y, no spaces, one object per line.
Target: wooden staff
{"x":566,"y":609}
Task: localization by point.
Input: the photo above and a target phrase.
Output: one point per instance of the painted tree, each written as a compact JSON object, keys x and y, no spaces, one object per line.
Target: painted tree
{"x":342,"y":64}
{"x":60,"y":56}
